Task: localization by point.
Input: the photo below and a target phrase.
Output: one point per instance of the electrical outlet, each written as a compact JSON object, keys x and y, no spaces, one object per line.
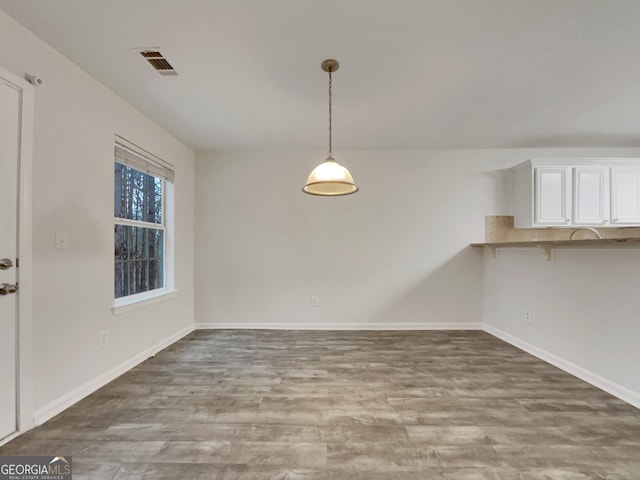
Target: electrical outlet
{"x":527,"y":316}
{"x":104,"y":338}
{"x":314,"y":301}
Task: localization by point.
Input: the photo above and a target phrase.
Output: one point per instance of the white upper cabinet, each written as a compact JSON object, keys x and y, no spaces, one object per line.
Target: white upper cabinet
{"x":598,"y":192}
{"x":625,"y":198}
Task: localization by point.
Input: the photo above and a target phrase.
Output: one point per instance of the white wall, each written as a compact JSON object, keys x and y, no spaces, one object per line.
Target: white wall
{"x":585,"y":311}
{"x":394,"y":255}
{"x":75,"y":121}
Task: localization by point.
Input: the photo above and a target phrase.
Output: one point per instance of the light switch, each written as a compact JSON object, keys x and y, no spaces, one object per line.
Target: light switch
{"x":61,"y":240}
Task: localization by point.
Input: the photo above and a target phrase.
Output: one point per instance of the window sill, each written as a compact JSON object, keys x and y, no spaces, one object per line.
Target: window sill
{"x":126,"y":304}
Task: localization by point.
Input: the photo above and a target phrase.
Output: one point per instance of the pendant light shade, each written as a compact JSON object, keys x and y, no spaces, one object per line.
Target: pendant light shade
{"x":330,"y":179}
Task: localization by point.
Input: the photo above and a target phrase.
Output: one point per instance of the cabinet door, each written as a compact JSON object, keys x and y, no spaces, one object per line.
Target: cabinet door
{"x":590,"y":196}
{"x":625,"y":195}
{"x":552,"y":198}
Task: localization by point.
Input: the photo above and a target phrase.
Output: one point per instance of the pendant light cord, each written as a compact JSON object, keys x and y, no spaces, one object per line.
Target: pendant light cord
{"x":330,"y":112}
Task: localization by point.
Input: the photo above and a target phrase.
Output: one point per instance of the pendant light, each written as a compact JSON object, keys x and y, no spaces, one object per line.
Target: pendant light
{"x":330,"y":178}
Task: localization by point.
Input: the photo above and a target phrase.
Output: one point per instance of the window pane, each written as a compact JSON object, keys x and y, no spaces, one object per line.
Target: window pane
{"x":139,"y":260}
{"x":138,"y":196}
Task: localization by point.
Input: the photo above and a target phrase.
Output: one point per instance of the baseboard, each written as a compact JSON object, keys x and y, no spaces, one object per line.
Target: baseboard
{"x":623,"y":393}
{"x":158,"y":347}
{"x":10,"y":437}
{"x":340,"y":326}
{"x":57,"y":406}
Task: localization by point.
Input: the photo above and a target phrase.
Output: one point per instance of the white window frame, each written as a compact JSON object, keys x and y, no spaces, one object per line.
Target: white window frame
{"x":144,"y":161}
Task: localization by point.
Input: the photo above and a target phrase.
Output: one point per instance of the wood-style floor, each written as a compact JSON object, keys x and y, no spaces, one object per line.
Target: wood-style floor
{"x":249,"y":405}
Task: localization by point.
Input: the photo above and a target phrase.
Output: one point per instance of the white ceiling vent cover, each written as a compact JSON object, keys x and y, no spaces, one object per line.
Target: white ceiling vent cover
{"x":159,"y":63}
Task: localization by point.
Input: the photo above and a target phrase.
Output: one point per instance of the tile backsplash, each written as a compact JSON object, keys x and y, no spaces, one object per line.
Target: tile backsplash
{"x":499,"y":228}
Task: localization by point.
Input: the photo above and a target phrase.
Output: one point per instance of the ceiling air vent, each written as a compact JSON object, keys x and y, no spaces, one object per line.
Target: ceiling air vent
{"x":158,"y":62}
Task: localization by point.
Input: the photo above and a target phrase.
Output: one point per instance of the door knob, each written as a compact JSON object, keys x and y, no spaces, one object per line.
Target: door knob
{"x":5,"y":263}
{"x":7,"y":288}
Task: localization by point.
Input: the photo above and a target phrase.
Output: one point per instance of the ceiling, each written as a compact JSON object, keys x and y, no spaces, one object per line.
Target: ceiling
{"x":413,"y":74}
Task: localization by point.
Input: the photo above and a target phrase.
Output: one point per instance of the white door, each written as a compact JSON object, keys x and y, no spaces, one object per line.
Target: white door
{"x":10,"y":110}
{"x":552,"y":194}
{"x":625,"y":195}
{"x":590,"y":195}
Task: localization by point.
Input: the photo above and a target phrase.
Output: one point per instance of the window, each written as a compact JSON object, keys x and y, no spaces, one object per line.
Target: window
{"x":141,"y":235}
